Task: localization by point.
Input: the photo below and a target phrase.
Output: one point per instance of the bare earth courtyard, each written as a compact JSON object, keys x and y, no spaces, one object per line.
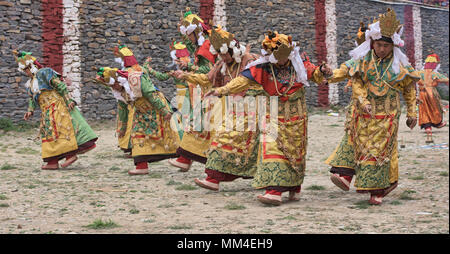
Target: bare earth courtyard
{"x":96,"y":195}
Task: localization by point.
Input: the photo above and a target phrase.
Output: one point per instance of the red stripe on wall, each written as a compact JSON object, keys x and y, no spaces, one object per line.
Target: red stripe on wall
{"x":321,"y":48}
{"x":206,"y":11}
{"x":408,"y":33}
{"x":52,"y":33}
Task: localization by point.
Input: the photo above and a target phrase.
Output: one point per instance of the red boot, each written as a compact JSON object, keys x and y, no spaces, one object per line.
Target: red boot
{"x":375,"y":199}
{"x":208,"y":183}
{"x":429,"y":135}
{"x":141,"y":169}
{"x":441,"y":125}
{"x":294,"y":195}
{"x":271,"y":197}
{"x":51,"y":165}
{"x":69,"y":160}
{"x":181,"y":162}
{"x":343,"y":182}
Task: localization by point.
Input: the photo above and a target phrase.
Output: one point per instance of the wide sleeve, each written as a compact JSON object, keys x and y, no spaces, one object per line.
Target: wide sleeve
{"x":203,"y":65}
{"x":122,"y":116}
{"x":31,"y":105}
{"x":409,"y":94}
{"x":159,"y":75}
{"x":198,"y":79}
{"x":153,"y":96}
{"x":61,"y":88}
{"x":236,"y":85}
{"x":439,"y":78}
{"x":339,"y":74}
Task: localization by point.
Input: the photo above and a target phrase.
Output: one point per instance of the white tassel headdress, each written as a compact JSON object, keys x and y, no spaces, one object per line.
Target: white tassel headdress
{"x":222,"y":41}
{"x":294,"y":57}
{"x":374,"y":32}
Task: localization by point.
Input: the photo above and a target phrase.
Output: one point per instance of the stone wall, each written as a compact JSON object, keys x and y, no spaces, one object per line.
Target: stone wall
{"x":146,"y":27}
{"x":92,"y":27}
{"x":19,"y":27}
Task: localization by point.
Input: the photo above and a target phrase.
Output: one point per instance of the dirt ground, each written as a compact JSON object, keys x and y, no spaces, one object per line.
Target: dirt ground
{"x":96,"y":195}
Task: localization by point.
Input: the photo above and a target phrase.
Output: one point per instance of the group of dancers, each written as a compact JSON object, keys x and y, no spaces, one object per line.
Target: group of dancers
{"x":219,"y":79}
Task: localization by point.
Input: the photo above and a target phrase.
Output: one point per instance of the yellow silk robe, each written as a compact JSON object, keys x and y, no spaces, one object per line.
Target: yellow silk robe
{"x":374,"y":136}
{"x":280,"y":158}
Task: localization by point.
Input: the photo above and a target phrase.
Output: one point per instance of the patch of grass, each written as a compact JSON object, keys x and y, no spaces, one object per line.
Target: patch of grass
{"x":315,"y":187}
{"x":186,"y":187}
{"x":333,"y":125}
{"x":172,"y":182}
{"x":234,"y":206}
{"x":4,"y":205}
{"x":396,"y":202}
{"x":289,"y":217}
{"x":6,"y":124}
{"x":134,"y":211}
{"x":363,"y":204}
{"x":417,"y":178}
{"x":97,"y":204}
{"x":351,"y":228}
{"x":27,"y":150}
{"x":3,"y":197}
{"x":155,"y":175}
{"x":443,"y":173}
{"x":270,"y":222}
{"x":149,"y":221}
{"x":7,"y":167}
{"x":165,"y":206}
{"x":180,"y":227}
{"x":100,"y":224}
{"x":114,"y":168}
{"x":406,"y":195}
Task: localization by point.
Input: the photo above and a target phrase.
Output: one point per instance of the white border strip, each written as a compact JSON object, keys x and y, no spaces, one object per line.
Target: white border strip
{"x":71,"y":50}
{"x":220,"y":15}
{"x":418,"y":49}
{"x":330,"y":41}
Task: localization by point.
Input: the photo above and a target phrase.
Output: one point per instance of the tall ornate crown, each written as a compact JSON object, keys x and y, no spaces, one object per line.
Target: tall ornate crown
{"x":389,"y":24}
{"x":190,"y":23}
{"x":278,"y":44}
{"x":219,"y":37}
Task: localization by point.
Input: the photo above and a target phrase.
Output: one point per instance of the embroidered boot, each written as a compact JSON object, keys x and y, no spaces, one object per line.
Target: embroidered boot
{"x":141,"y":169}
{"x":181,"y":162}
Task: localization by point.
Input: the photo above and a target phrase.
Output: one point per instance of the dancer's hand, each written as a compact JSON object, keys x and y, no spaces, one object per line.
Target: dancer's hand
{"x":178,"y":74}
{"x":368,"y":109}
{"x":27,"y":116}
{"x":326,"y":70}
{"x":182,"y":64}
{"x":71,"y":105}
{"x":168,"y":117}
{"x":212,"y":93}
{"x":411,"y":122}
{"x":121,"y":134}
